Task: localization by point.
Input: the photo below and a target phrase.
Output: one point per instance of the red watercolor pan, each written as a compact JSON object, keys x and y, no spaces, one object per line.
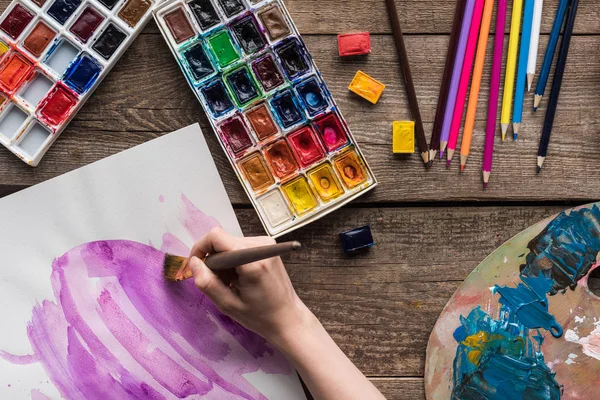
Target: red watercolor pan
{"x":57,"y":106}
{"x":306,"y":146}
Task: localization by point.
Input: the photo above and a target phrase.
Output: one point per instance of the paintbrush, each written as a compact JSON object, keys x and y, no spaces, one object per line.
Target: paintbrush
{"x":175,"y":268}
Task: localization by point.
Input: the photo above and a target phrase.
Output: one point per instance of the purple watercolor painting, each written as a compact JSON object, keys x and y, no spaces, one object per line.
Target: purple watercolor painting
{"x":118,"y":330}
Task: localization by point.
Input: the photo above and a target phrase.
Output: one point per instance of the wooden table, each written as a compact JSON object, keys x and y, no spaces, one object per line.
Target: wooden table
{"x":431,"y":227}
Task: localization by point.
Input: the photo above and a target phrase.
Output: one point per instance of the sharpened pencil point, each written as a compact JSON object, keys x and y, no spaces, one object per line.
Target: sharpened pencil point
{"x":485,"y":185}
{"x":443,"y":146}
{"x":515,"y":137}
{"x":529,"y":81}
{"x":536,"y":102}
{"x":538,"y":169}
{"x":448,"y":162}
{"x":462,"y":168}
{"x":463,"y":162}
{"x":540,"y":163}
{"x":486,"y":178}
{"x":504,"y":130}
{"x":425,"y":157}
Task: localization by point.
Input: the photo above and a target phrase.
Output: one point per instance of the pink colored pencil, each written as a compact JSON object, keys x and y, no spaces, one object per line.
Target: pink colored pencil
{"x":465,"y":78}
{"x":490,"y":134}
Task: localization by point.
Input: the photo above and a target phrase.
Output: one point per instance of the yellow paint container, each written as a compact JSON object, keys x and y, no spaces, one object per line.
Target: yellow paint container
{"x":300,"y":196}
{"x":324,"y":181}
{"x":3,"y":48}
{"x":403,"y":137}
{"x":366,"y":87}
{"x":351,"y":168}
{"x":256,"y":172}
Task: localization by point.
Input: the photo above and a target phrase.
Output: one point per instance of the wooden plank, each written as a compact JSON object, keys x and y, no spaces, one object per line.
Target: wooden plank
{"x":380,"y":306}
{"x":133,"y":105}
{"x":400,"y":388}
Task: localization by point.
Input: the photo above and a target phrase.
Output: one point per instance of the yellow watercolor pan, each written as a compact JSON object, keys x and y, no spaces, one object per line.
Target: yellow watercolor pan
{"x":403,"y":137}
{"x":300,"y":196}
{"x":366,"y":87}
{"x":326,"y":184}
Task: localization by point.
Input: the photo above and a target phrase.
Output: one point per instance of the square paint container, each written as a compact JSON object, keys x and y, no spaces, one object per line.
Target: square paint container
{"x":53,"y":55}
{"x":273,"y":114}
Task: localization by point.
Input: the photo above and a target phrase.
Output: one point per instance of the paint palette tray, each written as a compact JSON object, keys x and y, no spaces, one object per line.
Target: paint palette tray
{"x":53,"y":55}
{"x":266,"y":100}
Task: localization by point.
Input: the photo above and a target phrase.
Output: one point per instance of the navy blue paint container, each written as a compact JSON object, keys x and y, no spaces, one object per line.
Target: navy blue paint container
{"x":313,"y":96}
{"x":242,"y":85}
{"x":292,"y":57}
{"x":82,"y":73}
{"x":61,"y":10}
{"x":216,"y":98}
{"x":287,"y":109}
{"x":357,"y":239}
{"x":198,"y":62}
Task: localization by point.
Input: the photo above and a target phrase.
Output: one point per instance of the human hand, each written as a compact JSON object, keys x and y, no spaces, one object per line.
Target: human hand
{"x":260,"y":296}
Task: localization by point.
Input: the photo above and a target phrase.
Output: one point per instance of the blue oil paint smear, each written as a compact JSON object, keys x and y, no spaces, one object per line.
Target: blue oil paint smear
{"x":82,"y":73}
{"x":502,"y":358}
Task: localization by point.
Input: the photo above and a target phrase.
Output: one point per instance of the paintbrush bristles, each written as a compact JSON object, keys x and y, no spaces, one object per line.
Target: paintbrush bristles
{"x":175,"y":268}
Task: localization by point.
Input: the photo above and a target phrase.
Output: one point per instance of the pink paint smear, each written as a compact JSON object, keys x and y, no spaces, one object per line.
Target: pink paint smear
{"x":118,"y":330}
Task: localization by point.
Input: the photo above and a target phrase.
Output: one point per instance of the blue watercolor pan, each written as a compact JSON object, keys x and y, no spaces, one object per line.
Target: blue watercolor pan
{"x":198,"y":62}
{"x":287,"y":109}
{"x":82,"y":73}
{"x":217,"y":98}
{"x":313,"y":96}
{"x":247,"y":63}
{"x":61,"y":10}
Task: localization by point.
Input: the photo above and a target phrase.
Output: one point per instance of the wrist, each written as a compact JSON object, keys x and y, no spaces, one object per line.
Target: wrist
{"x":302,"y":324}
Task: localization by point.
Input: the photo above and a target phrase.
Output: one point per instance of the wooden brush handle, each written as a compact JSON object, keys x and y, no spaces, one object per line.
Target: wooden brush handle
{"x":235,"y":258}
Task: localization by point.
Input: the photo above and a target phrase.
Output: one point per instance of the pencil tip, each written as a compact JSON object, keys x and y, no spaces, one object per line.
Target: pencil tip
{"x":504,"y":130}
{"x":538,"y":169}
{"x":462,"y":168}
{"x":536,"y":101}
{"x":540,"y":163}
{"x":515,"y":137}
{"x":448,"y":162}
{"x":485,"y":185}
{"x":529,"y":81}
{"x":441,"y":154}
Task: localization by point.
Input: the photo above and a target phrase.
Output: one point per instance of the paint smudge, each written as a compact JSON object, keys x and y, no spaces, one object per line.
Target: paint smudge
{"x":118,"y":330}
{"x":161,"y":198}
{"x":590,"y":344}
{"x":500,"y":358}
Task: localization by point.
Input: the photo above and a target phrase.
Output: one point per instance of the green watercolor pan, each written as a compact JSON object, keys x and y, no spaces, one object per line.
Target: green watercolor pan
{"x":269,"y":106}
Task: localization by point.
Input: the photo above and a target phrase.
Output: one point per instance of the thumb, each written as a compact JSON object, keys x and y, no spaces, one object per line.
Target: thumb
{"x":213,"y":287}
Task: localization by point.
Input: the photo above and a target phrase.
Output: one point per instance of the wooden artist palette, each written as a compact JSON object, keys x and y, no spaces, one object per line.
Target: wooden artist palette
{"x":53,"y":55}
{"x":273,"y":113}
{"x":524,"y":324}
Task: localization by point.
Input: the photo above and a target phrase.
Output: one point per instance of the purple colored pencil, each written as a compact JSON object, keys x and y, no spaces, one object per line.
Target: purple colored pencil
{"x":488,"y":152}
{"x":456,"y":72}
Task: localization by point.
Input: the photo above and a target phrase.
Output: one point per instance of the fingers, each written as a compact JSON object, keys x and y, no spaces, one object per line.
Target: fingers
{"x":215,"y":241}
{"x":213,"y":287}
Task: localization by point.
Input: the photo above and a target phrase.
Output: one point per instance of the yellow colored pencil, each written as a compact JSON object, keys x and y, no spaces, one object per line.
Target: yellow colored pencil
{"x":511,"y":66}
{"x":465,"y":147}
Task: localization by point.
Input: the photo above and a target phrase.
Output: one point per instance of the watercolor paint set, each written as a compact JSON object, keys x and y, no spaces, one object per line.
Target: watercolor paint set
{"x":266,"y":100}
{"x":53,"y":55}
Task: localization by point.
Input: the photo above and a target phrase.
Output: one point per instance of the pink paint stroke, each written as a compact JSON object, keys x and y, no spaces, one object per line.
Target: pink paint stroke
{"x":119,"y":330}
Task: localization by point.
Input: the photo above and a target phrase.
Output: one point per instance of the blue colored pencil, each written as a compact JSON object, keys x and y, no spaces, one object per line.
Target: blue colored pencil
{"x":545,"y":72}
{"x":522,"y":71}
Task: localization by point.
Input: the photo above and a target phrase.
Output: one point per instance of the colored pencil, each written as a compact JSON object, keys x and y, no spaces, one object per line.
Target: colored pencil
{"x":522,"y":69}
{"x":465,"y":77}
{"x":511,"y":66}
{"x":434,"y":145}
{"x":456,"y":72}
{"x":490,"y":133}
{"x":484,"y":34}
{"x":408,"y":81}
{"x":535,"y":42}
{"x":550,"y":50}
{"x":556,"y":84}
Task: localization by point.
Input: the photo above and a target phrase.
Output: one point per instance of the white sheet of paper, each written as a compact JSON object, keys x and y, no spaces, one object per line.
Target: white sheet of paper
{"x":135,"y":195}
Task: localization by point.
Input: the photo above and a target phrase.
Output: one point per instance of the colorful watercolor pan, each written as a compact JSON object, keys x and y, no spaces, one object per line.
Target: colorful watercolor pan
{"x":273,"y":113}
{"x":53,"y":55}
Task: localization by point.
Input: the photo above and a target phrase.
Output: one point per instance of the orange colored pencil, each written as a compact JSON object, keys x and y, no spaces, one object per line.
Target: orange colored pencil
{"x":465,"y":148}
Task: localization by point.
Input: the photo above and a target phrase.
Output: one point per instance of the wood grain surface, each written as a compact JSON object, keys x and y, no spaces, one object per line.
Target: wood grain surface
{"x":431,"y":227}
